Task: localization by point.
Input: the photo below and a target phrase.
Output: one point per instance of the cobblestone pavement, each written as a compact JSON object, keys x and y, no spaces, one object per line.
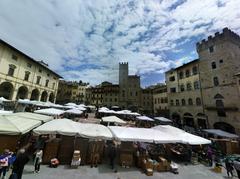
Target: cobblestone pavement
{"x":103,"y":172}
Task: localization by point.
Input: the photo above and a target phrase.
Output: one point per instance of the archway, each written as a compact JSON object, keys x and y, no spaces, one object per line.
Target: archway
{"x":224,"y":126}
{"x":44,"y":96}
{"x":6,"y":90}
{"x":51,"y":97}
{"x":22,"y":92}
{"x":177,"y":119}
{"x":201,"y":120}
{"x":188,"y":119}
{"x":35,"y":94}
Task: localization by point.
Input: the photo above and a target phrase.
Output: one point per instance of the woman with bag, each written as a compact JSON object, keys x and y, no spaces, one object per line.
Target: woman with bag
{"x":38,"y":160}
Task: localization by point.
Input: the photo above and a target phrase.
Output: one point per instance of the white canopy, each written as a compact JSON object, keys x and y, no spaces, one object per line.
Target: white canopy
{"x":113,"y":119}
{"x":16,"y":125}
{"x":162,"y":119}
{"x":5,"y":112}
{"x":57,"y":126}
{"x":221,"y":133}
{"x":141,"y":135}
{"x":50,"y":111}
{"x":132,"y":134}
{"x":95,"y":131}
{"x":70,"y":104}
{"x":2,"y":99}
{"x":74,"y":111}
{"x":33,"y":116}
{"x":91,"y":107}
{"x":181,"y":135}
{"x":144,"y":118}
{"x":71,"y":128}
{"x":81,"y":108}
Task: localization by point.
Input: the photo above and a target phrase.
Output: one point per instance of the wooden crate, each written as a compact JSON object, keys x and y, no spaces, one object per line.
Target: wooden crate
{"x":126,"y":159}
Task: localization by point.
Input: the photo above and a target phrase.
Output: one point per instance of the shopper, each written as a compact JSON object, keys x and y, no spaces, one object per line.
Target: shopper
{"x":112,"y":154}
{"x":38,"y":160}
{"x":18,"y":165}
{"x":210,"y":156}
{"x":237,"y":167}
{"x":229,"y":167}
{"x":4,"y":162}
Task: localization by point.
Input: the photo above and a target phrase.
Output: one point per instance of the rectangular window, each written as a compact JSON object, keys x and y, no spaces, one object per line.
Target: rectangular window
{"x":46,"y":84}
{"x":173,"y":90}
{"x":29,"y":65}
{"x":38,"y":80}
{"x":11,"y":71}
{"x":39,"y":70}
{"x":172,"y":78}
{"x":27,"y":74}
{"x":221,"y":61}
{"x":14,"y":57}
{"x":53,"y":85}
{"x":196,"y":85}
{"x":211,"y":49}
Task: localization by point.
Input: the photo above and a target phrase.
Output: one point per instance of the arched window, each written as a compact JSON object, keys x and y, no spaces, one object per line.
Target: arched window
{"x":215,"y":81}
{"x":189,"y":86}
{"x":220,"y":108}
{"x":190,"y":101}
{"x":196,"y":85}
{"x":198,"y":102}
{"x":183,"y":102}
{"x":182,"y":87}
{"x":177,"y":102}
{"x":214,"y":66}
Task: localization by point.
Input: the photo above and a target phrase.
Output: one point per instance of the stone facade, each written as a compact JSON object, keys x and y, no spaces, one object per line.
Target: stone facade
{"x":130,"y":90}
{"x":147,"y":101}
{"x":184,"y":95}
{"x":160,"y":100}
{"x":71,"y":91}
{"x":219,"y":63}
{"x":22,"y":77}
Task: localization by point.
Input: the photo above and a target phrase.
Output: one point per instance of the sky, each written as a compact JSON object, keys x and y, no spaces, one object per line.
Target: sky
{"x":86,"y":39}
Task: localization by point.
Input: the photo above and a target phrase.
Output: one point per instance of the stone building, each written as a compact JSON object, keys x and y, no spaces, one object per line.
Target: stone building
{"x":71,"y":91}
{"x":146,"y":101}
{"x":22,"y":77}
{"x":110,"y":94}
{"x":94,"y":96}
{"x":130,"y":90}
{"x":160,"y":100}
{"x":184,"y":95}
{"x":219,"y":64}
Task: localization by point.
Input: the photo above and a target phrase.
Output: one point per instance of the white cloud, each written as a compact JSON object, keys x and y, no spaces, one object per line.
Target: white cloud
{"x":85,"y":40}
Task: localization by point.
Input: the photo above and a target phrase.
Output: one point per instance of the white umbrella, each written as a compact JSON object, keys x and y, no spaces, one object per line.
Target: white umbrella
{"x":74,"y":111}
{"x":50,"y":111}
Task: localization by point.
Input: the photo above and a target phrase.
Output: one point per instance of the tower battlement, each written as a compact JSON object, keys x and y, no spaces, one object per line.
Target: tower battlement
{"x":123,"y":63}
{"x":226,"y":35}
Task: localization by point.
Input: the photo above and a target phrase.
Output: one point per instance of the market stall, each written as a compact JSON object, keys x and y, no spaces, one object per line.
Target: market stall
{"x":14,"y":129}
{"x":33,"y":116}
{"x":72,"y":134}
{"x":113,"y":120}
{"x":162,"y":121}
{"x":144,"y":121}
{"x":57,"y":113}
{"x":221,"y":133}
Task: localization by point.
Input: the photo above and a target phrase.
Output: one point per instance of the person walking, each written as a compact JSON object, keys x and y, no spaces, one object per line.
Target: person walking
{"x":236,"y":164}
{"x":18,"y":165}
{"x":38,"y":160}
{"x":210,"y":156}
{"x":112,"y":154}
{"x":4,"y":162}
{"x":229,"y":167}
